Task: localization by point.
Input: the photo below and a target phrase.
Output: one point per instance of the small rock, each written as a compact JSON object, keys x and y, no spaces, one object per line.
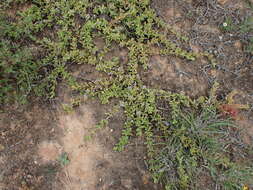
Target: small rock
{"x":222,"y":2}
{"x":213,"y":73}
{"x":145,"y":179}
{"x":238,"y":45}
{"x":195,"y":48}
{"x":85,"y":97}
{"x":29,"y":176}
{"x":127,"y":183}
{"x":1,"y":147}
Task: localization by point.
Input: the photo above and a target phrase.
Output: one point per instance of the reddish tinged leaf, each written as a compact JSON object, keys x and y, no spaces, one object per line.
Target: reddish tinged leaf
{"x":230,"y":110}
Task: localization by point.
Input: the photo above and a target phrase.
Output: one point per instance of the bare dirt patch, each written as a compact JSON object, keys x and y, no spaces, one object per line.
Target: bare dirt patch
{"x":34,"y":162}
{"x":49,"y":151}
{"x":175,"y":75}
{"x":92,"y":163}
{"x":82,"y":156}
{"x":21,"y":132}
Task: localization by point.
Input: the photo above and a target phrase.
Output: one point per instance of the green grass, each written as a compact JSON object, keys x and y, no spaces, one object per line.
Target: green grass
{"x":200,"y":146}
{"x":48,"y":38}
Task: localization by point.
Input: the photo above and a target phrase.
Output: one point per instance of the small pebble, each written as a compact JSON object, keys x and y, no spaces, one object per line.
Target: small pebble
{"x":238,"y":45}
{"x":29,"y":176}
{"x":1,"y":147}
{"x":85,"y":97}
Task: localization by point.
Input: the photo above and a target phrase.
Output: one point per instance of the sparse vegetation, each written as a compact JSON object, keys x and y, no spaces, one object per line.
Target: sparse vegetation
{"x":197,"y":146}
{"x":243,"y":28}
{"x":46,"y":39}
{"x":63,"y":159}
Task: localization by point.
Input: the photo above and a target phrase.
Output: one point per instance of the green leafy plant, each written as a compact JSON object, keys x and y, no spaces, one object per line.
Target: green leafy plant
{"x":63,"y":159}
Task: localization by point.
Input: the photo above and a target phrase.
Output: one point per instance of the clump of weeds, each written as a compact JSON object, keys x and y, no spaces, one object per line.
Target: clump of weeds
{"x":201,"y":149}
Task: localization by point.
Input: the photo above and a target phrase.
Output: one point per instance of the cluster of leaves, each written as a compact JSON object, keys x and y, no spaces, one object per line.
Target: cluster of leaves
{"x":29,"y":64}
{"x":64,"y":33}
{"x":17,"y":69}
